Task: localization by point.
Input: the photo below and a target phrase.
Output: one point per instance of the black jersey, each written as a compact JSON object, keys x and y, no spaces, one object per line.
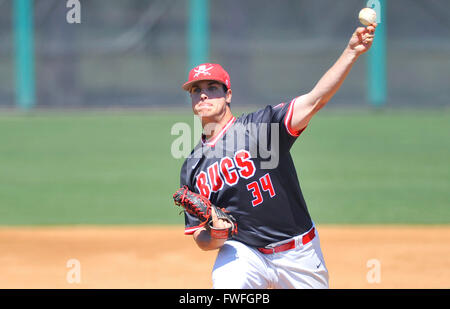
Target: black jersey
{"x":248,"y":170}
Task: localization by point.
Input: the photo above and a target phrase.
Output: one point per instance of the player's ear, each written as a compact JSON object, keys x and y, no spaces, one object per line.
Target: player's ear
{"x":228,"y":96}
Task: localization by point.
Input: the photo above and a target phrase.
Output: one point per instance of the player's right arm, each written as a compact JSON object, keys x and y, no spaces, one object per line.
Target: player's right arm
{"x":203,"y":237}
{"x":308,"y":105}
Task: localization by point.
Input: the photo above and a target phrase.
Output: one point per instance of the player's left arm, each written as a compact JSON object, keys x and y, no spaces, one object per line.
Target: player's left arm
{"x":309,"y":104}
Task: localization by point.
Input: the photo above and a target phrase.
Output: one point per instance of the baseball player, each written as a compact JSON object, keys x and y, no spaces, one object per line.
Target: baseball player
{"x":277,"y":244}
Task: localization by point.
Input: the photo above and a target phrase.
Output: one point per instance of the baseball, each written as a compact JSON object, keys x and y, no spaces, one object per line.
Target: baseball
{"x":367,"y":16}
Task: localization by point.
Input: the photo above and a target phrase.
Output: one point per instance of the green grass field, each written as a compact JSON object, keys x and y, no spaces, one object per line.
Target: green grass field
{"x":116,"y":168}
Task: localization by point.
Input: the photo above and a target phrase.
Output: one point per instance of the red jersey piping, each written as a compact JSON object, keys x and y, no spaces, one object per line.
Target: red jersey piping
{"x":287,"y":120}
{"x":221,"y":133}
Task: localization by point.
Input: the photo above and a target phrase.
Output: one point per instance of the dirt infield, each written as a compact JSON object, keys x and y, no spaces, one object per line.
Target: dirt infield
{"x":162,"y":257}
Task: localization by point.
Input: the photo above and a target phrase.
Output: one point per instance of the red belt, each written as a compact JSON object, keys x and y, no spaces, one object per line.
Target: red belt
{"x":290,"y":244}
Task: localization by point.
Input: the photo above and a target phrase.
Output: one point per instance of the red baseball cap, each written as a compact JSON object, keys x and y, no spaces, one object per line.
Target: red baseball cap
{"x":207,"y":71}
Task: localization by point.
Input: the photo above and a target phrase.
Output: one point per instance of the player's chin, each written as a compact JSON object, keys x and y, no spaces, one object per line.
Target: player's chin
{"x":204,"y":112}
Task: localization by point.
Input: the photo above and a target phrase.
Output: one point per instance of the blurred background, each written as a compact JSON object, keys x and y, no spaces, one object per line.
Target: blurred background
{"x":135,"y":52}
{"x":86,"y":109}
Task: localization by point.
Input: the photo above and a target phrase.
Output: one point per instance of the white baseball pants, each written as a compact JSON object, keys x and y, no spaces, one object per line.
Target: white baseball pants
{"x":239,"y":266}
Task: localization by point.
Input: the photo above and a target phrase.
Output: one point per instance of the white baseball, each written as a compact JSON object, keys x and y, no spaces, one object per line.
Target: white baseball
{"x":367,"y":16}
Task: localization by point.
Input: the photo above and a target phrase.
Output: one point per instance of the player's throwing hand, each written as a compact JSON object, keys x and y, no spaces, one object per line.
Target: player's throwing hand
{"x":362,"y":39}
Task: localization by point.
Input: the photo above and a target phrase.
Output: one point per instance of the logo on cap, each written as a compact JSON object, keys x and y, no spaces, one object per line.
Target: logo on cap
{"x":202,"y":69}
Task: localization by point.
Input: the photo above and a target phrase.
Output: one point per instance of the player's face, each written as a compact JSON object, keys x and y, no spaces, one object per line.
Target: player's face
{"x":209,"y":99}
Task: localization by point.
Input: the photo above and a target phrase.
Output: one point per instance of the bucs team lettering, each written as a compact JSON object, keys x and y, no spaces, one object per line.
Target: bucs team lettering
{"x":228,"y":171}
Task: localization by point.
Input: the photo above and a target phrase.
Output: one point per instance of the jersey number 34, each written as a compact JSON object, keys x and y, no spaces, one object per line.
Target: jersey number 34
{"x":256,"y":188}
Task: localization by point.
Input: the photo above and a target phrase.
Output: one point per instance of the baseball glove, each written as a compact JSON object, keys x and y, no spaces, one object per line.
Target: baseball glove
{"x":201,"y":207}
